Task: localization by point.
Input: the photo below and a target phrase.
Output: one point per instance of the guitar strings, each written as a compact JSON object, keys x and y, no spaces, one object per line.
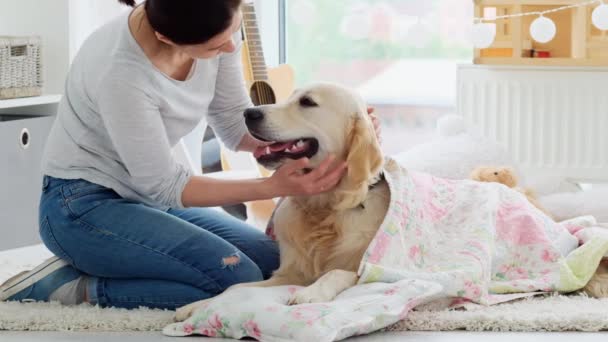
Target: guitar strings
{"x":263,"y":93}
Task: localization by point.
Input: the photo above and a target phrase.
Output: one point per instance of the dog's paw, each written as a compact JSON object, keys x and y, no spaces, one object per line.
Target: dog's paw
{"x":311,"y":294}
{"x":182,"y":314}
{"x":186,"y":312}
{"x":598,"y":285}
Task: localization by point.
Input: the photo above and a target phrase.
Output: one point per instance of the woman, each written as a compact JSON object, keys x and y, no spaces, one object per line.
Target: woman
{"x":124,"y":219}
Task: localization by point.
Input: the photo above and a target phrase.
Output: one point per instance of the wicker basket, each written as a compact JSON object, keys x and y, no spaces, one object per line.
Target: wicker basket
{"x":20,"y":67}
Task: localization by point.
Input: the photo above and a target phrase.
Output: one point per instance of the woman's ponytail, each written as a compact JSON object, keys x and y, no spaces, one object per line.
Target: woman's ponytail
{"x":128,"y":2}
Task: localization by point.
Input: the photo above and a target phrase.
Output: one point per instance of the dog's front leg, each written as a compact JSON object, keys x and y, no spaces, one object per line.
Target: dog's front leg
{"x":185,"y":312}
{"x":326,"y":288}
{"x":598,"y":285}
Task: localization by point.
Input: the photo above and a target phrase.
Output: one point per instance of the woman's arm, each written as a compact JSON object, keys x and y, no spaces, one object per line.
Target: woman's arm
{"x":226,"y":110}
{"x":210,"y":192}
{"x":290,"y":180}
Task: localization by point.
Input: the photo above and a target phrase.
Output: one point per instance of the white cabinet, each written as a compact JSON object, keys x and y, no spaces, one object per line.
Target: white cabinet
{"x":24,"y":127}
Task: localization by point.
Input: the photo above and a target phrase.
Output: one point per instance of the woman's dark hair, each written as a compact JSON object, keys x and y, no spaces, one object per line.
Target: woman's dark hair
{"x":187,"y":22}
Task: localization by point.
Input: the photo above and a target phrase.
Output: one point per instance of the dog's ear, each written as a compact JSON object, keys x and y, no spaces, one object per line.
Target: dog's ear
{"x":364,"y":159}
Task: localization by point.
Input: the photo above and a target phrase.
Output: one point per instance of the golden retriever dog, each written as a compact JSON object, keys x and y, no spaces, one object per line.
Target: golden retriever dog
{"x":323,"y":238}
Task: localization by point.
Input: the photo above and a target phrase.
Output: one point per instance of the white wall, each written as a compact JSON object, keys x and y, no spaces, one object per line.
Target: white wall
{"x":48,"y":19}
{"x":65,"y":24}
{"x":88,"y":15}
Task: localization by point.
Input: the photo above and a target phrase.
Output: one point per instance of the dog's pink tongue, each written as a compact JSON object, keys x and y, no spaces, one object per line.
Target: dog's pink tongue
{"x":260,"y":151}
{"x":278,"y":147}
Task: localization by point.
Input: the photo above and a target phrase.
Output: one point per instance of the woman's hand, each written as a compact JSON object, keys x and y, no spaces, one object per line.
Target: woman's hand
{"x":293,"y":180}
{"x":376,"y":122}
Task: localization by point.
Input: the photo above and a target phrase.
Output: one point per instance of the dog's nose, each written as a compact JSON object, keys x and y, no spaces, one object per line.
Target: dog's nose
{"x":254,"y":114}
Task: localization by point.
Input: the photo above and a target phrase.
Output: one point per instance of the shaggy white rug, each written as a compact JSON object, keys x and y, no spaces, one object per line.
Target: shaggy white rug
{"x":553,"y":313}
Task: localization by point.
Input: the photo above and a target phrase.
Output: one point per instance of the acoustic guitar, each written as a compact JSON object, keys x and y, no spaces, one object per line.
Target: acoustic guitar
{"x":266,"y":86}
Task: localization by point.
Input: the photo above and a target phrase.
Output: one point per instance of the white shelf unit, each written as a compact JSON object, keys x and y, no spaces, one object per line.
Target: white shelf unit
{"x":30,"y":101}
{"x":24,"y":127}
{"x":45,"y":105}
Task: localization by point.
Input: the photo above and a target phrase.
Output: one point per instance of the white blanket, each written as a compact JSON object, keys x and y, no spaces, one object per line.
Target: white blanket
{"x":457,"y":242}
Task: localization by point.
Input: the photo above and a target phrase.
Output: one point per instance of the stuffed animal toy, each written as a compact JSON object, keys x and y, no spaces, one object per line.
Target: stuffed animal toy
{"x":502,"y":175}
{"x":457,"y":149}
{"x":505,"y":176}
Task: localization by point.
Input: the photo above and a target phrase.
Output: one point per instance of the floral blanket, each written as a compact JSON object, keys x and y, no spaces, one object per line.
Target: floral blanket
{"x":458,"y":242}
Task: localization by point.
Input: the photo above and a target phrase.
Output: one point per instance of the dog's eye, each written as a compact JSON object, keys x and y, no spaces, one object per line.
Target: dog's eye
{"x":307,"y":102}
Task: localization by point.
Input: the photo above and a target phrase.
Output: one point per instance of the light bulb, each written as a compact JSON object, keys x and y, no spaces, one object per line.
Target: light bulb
{"x":600,"y":17}
{"x":543,"y":29}
{"x":483,"y":35}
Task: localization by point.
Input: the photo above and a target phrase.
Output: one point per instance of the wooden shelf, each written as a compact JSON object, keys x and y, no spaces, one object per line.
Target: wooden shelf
{"x":541,"y":61}
{"x":30,"y":101}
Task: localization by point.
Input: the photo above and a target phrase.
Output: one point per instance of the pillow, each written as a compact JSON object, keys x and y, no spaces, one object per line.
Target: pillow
{"x":458,"y":149}
{"x":564,"y":206}
{"x":546,"y":184}
{"x":262,"y":313}
{"x":455,"y":152}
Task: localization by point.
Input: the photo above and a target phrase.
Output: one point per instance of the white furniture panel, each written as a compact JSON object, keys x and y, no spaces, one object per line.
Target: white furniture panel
{"x":553,"y":120}
{"x":24,"y":128}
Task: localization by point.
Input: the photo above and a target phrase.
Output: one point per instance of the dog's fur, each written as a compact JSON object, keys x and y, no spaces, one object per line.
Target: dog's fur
{"x":322,"y":238}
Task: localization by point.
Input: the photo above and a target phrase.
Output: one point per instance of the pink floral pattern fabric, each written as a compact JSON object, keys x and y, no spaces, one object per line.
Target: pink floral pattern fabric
{"x":462,"y":243}
{"x":263,"y":313}
{"x":477,"y":240}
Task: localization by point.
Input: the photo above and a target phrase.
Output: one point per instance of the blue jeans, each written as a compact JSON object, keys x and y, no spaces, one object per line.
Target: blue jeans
{"x":136,"y":255}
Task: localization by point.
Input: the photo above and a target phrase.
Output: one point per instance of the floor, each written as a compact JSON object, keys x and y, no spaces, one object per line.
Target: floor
{"x":384,"y":337}
{"x":31,"y":256}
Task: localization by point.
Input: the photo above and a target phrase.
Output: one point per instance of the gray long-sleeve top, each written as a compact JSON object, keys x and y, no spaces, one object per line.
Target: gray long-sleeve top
{"x":120,"y":117}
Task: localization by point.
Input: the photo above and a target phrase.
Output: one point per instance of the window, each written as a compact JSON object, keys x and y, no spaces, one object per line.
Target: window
{"x":401,"y":55}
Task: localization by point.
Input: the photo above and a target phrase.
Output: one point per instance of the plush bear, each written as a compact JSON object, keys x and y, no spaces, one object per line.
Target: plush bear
{"x":505,"y":176}
{"x":457,"y":150}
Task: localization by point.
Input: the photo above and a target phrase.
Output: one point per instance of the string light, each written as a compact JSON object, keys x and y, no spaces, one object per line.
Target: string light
{"x":542,"y":28}
{"x":599,"y":17}
{"x":483,"y":35}
{"x":539,"y":13}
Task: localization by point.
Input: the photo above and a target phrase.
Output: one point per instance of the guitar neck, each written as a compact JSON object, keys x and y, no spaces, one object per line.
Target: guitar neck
{"x":253,"y":39}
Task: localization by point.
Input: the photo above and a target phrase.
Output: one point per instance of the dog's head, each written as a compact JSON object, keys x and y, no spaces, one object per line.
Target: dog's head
{"x":315,"y":122}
